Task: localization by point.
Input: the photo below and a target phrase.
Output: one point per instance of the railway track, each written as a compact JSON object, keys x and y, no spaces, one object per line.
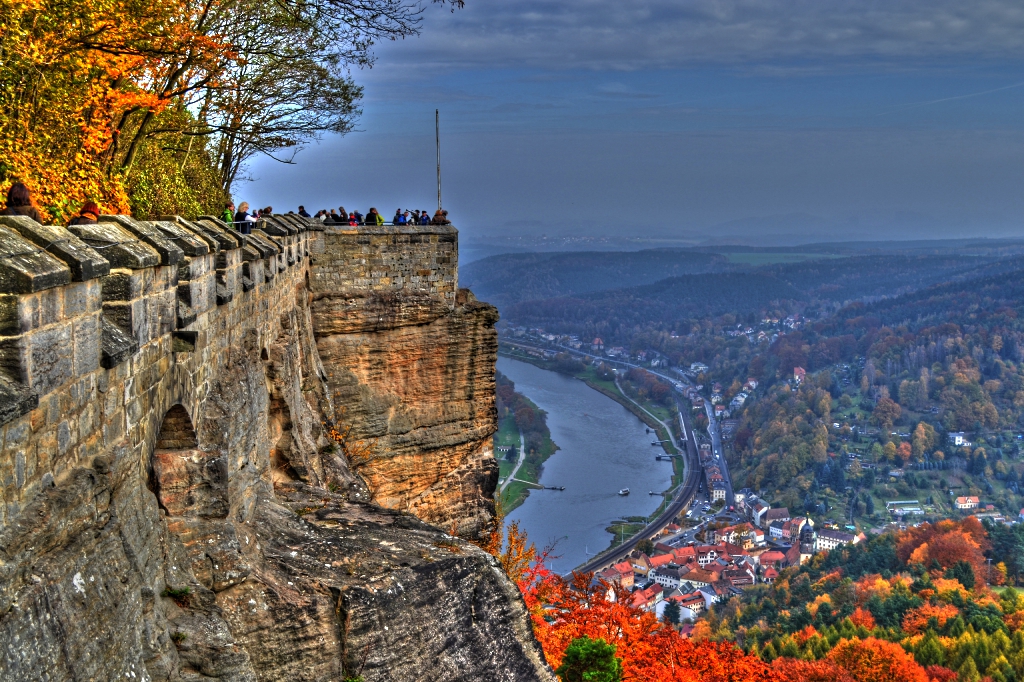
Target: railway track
{"x":678,"y":503}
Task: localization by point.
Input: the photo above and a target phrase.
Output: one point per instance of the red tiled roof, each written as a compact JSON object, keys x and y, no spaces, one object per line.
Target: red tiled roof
{"x":661,"y":560}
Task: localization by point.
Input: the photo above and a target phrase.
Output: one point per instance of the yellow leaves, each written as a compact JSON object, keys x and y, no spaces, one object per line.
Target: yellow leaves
{"x":946,"y":587}
{"x":818,"y":602}
{"x":69,"y":74}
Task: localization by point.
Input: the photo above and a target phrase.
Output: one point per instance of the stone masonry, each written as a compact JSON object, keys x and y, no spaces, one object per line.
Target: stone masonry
{"x":172,"y":504}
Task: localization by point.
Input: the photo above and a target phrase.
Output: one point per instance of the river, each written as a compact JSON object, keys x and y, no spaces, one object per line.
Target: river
{"x":602,"y":447}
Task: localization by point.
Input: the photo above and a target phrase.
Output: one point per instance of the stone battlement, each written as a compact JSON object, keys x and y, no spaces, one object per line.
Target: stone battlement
{"x":206,"y":441}
{"x":94,"y":317}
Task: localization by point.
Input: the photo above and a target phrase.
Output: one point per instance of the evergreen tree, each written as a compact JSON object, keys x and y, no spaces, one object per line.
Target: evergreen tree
{"x":968,"y":672}
{"x":929,"y":650}
{"x":590,"y":660}
{"x":672,"y":614}
{"x":962,"y":571}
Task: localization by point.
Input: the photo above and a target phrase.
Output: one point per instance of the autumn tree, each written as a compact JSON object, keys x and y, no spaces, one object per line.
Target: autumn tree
{"x":885,"y":414}
{"x":155,"y":107}
{"x":876,"y":660}
{"x":924,"y":439}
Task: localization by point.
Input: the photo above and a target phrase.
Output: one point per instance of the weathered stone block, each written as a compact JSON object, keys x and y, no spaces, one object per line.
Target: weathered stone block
{"x":189,"y":243}
{"x":16,"y":400}
{"x":117,"y":345}
{"x":52,"y":364}
{"x":226,"y":237}
{"x":87,"y":343}
{"x":26,"y":268}
{"x":169,"y":252}
{"x":224,"y":295}
{"x":84,"y":262}
{"x":83,"y":298}
{"x":121,"y":248}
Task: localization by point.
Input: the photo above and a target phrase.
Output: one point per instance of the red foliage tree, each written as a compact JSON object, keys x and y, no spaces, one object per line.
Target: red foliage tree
{"x":863,"y":618}
{"x":796,"y":670}
{"x":650,"y":650}
{"x":947,"y":542}
{"x":875,"y":660}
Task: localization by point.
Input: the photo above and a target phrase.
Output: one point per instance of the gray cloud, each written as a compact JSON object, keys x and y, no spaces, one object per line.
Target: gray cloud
{"x":618,"y":35}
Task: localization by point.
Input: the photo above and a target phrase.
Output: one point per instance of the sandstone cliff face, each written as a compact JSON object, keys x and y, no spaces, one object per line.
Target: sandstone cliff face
{"x":173,"y":509}
{"x":409,"y":361}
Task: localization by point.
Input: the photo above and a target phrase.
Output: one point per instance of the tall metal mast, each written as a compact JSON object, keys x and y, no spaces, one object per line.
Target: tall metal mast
{"x":437,"y":140}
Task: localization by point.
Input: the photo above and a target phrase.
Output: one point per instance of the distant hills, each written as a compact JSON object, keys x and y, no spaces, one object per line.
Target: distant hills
{"x":616,"y":295}
{"x":507,"y":279}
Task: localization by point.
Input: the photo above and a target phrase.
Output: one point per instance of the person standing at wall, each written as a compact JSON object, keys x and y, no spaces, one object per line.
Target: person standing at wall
{"x":19,"y":202}
{"x":89,"y":215}
{"x":228,"y":214}
{"x":242,"y":220}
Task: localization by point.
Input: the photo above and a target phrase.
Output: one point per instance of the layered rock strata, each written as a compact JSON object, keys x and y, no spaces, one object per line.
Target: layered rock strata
{"x":171,"y":507}
{"x":410,"y":365}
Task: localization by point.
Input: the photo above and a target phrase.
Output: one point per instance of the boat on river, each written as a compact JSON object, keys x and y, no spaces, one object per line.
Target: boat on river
{"x":624,"y":492}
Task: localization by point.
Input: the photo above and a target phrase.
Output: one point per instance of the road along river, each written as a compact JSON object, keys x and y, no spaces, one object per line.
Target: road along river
{"x":602,"y":448}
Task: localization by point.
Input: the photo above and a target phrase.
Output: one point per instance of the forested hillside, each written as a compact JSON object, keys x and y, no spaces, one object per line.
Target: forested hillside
{"x":510,"y":278}
{"x":681,"y":304}
{"x":896,"y":376}
{"x":907,"y":606}
{"x":668,"y":304}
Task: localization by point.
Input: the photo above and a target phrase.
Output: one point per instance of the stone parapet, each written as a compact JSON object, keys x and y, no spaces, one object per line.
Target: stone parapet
{"x":414,"y":260}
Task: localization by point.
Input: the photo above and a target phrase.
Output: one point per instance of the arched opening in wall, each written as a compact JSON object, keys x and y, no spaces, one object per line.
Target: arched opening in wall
{"x":176,"y":431}
{"x":187,"y":481}
{"x":264,"y":355}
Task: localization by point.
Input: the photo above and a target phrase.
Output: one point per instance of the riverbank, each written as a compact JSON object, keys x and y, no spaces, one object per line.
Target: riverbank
{"x":533,"y":451}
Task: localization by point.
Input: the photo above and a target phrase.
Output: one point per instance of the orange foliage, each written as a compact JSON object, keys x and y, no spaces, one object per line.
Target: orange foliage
{"x":916,"y":620}
{"x":946,"y":542}
{"x":872,"y":585}
{"x":876,"y":660}
{"x":650,"y":650}
{"x":863,"y":618}
{"x":795,"y":670}
{"x":72,"y":72}
{"x":945,"y":587}
{"x":803,"y":635}
{"x":904,"y":451}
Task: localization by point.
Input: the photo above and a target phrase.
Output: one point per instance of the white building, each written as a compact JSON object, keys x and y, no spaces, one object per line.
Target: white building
{"x":830,"y":539}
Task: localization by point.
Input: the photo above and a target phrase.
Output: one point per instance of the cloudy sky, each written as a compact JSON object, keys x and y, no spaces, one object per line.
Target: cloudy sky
{"x":689,"y":119}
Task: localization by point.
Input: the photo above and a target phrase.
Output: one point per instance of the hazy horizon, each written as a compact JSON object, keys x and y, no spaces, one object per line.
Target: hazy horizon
{"x":692,"y":121}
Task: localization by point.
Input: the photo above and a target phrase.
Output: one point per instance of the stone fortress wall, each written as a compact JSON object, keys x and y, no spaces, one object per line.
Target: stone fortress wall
{"x":171,"y":507}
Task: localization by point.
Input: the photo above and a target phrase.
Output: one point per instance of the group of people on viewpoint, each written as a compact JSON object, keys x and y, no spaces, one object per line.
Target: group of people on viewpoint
{"x":243,"y":220}
{"x":19,"y":202}
{"x":373,"y":217}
